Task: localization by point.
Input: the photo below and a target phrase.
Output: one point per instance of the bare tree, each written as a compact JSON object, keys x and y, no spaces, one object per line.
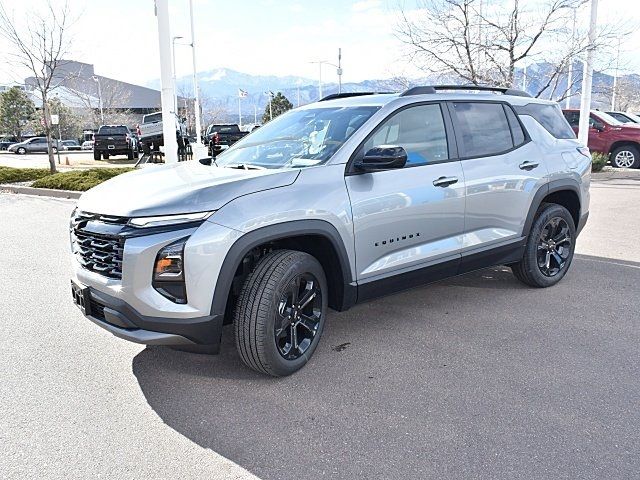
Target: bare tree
{"x":462,"y":39}
{"x":108,"y":99}
{"x":40,"y":43}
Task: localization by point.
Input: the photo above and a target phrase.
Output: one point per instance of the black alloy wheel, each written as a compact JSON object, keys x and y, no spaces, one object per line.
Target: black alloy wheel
{"x":299,"y":316}
{"x":554,"y":246}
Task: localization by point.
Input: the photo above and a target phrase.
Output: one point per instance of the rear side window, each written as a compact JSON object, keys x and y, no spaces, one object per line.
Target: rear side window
{"x":516,"y":129}
{"x":482,"y":129}
{"x":152,"y":118}
{"x":551,"y":118}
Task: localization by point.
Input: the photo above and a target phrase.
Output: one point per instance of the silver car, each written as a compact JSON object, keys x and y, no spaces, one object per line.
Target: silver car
{"x":33,"y":145}
{"x":326,"y":206}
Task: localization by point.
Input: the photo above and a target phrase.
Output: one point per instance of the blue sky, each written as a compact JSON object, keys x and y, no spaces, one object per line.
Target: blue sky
{"x":278,"y":37}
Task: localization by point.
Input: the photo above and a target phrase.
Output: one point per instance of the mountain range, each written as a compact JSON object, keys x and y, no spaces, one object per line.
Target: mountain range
{"x":219,"y":88}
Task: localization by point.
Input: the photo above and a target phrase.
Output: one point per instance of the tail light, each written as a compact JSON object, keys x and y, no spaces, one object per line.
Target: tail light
{"x":216,"y":138}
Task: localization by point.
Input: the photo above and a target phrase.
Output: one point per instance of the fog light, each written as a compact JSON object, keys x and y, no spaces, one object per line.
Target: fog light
{"x":168,"y":272}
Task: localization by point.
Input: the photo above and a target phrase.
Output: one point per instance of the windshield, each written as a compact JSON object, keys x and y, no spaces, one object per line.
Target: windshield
{"x":298,"y":138}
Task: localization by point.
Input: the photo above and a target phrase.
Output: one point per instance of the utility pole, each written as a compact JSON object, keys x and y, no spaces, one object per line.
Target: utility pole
{"x":587,"y":77}
{"x":97,"y":80}
{"x":166,"y":87}
{"x":175,"y":86}
{"x":339,"y":70}
{"x":196,"y":90}
{"x":615,"y":78}
{"x":570,"y":72}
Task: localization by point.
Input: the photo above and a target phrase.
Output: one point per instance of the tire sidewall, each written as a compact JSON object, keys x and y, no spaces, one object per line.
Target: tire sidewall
{"x":532,"y":244}
{"x":303,"y":264}
{"x":627,"y":148}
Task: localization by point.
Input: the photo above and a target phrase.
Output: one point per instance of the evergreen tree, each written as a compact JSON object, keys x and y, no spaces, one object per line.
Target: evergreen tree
{"x":16,"y":110}
{"x":279,"y":105}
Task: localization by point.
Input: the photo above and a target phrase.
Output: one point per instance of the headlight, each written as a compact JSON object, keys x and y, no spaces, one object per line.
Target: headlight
{"x":168,"y":272}
{"x":147,"y":222}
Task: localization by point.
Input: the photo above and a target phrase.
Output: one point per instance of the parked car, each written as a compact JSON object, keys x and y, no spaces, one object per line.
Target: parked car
{"x":87,"y":145}
{"x":625,"y":117}
{"x":71,"y":145}
{"x":620,"y":141}
{"x":151,"y":131}
{"x":5,"y":142}
{"x":113,"y":140}
{"x":328,"y":205}
{"x":219,"y":137}
{"x":34,"y":145}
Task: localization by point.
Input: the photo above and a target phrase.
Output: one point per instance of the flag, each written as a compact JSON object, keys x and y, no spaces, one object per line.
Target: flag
{"x":242,"y":93}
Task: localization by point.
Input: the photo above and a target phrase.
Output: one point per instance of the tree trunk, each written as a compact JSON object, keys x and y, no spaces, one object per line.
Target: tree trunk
{"x":47,"y":131}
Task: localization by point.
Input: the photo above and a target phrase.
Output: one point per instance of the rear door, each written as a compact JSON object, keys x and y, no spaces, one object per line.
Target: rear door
{"x":503,"y":170}
{"x":408,"y":221}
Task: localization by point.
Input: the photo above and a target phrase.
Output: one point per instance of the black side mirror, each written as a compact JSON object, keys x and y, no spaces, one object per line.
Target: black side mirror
{"x":383,"y":157}
{"x":598,"y":126}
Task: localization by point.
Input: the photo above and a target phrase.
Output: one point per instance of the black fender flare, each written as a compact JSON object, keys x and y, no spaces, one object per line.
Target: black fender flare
{"x":543,"y":191}
{"x":280,"y":231}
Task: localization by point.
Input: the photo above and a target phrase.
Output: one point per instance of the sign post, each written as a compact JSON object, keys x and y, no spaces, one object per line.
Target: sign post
{"x":55,"y":120}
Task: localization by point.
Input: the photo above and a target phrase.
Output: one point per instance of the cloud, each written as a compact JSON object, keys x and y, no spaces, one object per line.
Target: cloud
{"x":364,"y":5}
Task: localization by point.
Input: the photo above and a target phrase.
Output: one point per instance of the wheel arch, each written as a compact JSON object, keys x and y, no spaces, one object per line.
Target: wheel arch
{"x":561,"y":192}
{"x":316,"y":237}
{"x":622,"y":143}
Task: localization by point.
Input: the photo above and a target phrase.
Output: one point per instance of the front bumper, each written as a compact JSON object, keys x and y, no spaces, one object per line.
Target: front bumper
{"x":123,"y":321}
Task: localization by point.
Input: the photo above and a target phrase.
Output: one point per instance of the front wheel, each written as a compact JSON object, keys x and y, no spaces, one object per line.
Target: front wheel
{"x":280,"y":313}
{"x":549,"y":249}
{"x":626,"y":156}
{"x":21,"y":151}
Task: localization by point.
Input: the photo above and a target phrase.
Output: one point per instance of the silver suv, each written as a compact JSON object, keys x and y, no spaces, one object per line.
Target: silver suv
{"x":328,"y":205}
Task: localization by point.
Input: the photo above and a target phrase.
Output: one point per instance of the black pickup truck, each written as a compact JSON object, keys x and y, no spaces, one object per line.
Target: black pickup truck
{"x":221,"y":136}
{"x":114,"y":140}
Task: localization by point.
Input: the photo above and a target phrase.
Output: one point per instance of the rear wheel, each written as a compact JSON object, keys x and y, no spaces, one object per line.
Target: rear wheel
{"x":130,"y":154}
{"x":549,"y":250}
{"x":280,"y":313}
{"x":626,"y":156}
{"x":105,"y":155}
{"x":96,"y":155}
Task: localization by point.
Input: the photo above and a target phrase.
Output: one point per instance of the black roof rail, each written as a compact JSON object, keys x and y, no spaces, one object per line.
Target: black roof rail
{"x":333,"y":96}
{"x":481,"y":88}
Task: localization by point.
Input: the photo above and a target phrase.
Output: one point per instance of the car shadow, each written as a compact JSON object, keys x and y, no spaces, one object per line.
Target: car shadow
{"x":397,"y":388}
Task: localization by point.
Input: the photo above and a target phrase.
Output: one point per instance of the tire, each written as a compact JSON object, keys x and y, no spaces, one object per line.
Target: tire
{"x":547,"y":255}
{"x":21,"y":151}
{"x":130,"y":155}
{"x":96,"y":155}
{"x":105,"y":155}
{"x":265,"y":312}
{"x":626,"y":156}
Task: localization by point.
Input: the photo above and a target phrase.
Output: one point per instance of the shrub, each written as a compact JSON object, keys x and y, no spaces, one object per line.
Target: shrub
{"x":79,"y":180}
{"x":598,"y":161}
{"x":12,"y":175}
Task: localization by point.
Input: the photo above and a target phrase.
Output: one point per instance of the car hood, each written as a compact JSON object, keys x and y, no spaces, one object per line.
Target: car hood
{"x":184,"y":187}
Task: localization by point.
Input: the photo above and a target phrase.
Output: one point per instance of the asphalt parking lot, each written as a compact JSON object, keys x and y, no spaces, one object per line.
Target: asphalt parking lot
{"x":474,"y":377}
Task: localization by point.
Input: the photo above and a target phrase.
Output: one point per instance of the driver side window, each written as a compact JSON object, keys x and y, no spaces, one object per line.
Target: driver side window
{"x":419,"y":130}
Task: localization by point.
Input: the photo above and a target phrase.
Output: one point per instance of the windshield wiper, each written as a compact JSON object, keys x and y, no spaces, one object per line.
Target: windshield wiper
{"x":244,"y":166}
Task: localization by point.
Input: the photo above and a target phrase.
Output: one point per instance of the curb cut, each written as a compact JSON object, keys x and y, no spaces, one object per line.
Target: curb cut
{"x":42,"y":192}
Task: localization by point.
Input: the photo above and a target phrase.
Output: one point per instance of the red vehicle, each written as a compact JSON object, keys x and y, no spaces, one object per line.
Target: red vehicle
{"x":621,"y":141}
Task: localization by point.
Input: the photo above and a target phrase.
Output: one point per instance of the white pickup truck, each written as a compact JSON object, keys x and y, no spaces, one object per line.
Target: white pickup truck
{"x":151,"y":136}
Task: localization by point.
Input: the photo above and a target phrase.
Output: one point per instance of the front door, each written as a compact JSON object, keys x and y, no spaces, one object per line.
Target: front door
{"x":410,"y":218}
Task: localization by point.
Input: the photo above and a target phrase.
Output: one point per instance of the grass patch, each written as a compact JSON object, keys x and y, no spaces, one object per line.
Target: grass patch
{"x":598,"y":161}
{"x":78,"y":180}
{"x":12,"y":175}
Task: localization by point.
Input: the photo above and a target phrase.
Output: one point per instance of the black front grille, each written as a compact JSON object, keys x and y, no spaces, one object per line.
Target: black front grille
{"x":96,"y":243}
{"x":97,"y":310}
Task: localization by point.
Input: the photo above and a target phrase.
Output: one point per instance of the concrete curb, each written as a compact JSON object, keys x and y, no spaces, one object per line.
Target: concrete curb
{"x":42,"y":192}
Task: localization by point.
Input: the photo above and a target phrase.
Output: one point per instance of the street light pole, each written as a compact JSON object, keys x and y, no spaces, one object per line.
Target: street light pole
{"x":173,"y":57}
{"x":615,"y":79}
{"x":570,"y":72}
{"x":196,"y":94}
{"x":587,"y":78}
{"x":166,"y":86}
{"x":97,"y":80}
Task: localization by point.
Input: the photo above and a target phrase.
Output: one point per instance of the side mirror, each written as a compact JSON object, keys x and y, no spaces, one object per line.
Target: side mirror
{"x":598,"y":126}
{"x":383,"y":157}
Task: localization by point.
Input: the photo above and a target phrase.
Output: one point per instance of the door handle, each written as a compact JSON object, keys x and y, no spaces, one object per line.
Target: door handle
{"x":528,"y":165}
{"x":445,"y":181}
